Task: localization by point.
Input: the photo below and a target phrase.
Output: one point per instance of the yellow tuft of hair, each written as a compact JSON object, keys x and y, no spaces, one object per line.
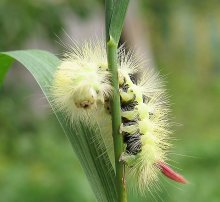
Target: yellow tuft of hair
{"x":81,"y":81}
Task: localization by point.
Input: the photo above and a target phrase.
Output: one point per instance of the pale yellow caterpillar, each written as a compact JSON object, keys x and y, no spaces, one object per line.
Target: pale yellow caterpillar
{"x":82,"y":90}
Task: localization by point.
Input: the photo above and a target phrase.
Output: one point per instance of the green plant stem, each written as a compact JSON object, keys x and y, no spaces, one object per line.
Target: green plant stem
{"x":114,"y":19}
{"x":116,"y":120}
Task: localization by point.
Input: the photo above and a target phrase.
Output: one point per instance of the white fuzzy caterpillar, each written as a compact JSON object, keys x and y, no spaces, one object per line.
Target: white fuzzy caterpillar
{"x":82,"y":90}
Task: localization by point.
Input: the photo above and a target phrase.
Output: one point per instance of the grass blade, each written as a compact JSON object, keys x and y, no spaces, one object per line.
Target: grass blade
{"x":108,"y":15}
{"x":117,"y":20}
{"x":90,"y":151}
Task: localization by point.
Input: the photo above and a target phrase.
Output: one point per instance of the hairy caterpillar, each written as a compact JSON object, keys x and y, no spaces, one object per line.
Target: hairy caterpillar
{"x":82,"y":90}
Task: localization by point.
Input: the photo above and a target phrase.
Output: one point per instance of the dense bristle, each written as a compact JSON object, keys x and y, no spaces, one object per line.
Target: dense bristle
{"x":82,"y":90}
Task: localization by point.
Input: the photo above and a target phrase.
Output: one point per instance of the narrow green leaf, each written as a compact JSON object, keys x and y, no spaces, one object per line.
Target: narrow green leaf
{"x":108,"y":15}
{"x":117,"y":19}
{"x":86,"y":141}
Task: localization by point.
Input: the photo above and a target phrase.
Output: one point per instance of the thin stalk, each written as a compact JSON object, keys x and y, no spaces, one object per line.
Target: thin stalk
{"x":116,"y":120}
{"x":114,"y":19}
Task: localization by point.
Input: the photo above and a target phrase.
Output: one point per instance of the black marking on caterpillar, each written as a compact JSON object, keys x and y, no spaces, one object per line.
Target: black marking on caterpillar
{"x":107,"y":105}
{"x":129,"y":106}
{"x":132,"y":141}
{"x":130,"y":123}
{"x":145,"y":99}
{"x":133,"y":78}
{"x":125,"y":120}
{"x":125,"y":87}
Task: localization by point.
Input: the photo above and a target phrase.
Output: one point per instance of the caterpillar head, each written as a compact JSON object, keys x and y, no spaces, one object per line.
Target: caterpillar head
{"x":82,"y":80}
{"x":87,"y":99}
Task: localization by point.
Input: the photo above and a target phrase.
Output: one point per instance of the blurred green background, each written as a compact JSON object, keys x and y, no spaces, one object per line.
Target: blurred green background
{"x":36,"y":160}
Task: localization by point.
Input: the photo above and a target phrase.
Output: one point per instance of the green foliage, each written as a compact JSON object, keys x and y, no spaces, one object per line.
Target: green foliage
{"x":86,"y":141}
{"x":43,"y":17}
{"x":184,"y":37}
